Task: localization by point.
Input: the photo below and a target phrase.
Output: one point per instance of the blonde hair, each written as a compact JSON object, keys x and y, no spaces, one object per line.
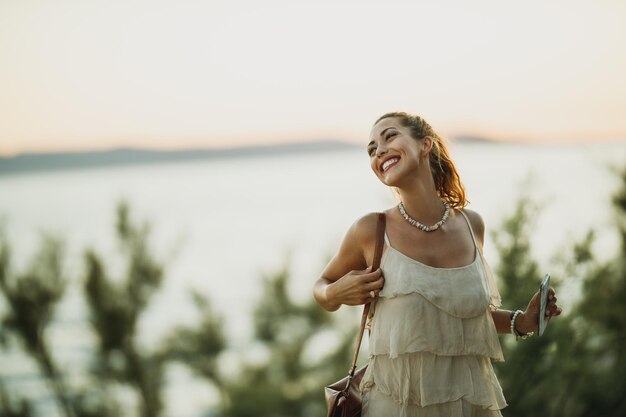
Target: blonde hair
{"x":447,"y":180}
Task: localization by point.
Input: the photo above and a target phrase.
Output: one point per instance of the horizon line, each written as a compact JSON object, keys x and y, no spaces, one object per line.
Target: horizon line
{"x":458,"y":138}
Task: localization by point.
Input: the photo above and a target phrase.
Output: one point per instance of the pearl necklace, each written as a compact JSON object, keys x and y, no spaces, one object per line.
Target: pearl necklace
{"x":422,"y":226}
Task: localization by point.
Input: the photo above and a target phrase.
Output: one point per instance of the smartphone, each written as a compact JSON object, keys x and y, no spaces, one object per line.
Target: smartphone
{"x":543,"y":299}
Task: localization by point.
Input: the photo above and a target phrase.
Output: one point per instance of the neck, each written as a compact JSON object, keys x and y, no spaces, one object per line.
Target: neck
{"x":425,"y":209}
{"x":420,"y":199}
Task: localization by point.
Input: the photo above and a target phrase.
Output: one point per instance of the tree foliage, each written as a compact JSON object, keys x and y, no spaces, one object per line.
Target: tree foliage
{"x":31,"y":298}
{"x":115,"y":307}
{"x":577,"y":367}
{"x":288,"y":383}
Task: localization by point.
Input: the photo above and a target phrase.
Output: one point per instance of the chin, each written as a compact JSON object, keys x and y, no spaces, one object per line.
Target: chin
{"x":390,"y":181}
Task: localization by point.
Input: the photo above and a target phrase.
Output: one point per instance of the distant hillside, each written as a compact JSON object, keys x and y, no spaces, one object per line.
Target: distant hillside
{"x":116,"y":157}
{"x":472,"y":139}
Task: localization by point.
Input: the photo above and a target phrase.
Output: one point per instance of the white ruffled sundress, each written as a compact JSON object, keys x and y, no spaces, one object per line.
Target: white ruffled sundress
{"x":432,"y":340}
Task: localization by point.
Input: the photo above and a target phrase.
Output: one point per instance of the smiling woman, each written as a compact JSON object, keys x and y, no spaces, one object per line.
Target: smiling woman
{"x":434,"y":329}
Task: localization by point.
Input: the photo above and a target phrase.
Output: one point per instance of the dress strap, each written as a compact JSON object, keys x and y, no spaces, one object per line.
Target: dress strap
{"x":495,"y":300}
{"x":470,"y":228}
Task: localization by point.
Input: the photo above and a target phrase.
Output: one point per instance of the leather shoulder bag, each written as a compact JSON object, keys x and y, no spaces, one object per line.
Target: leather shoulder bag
{"x":343,"y":398}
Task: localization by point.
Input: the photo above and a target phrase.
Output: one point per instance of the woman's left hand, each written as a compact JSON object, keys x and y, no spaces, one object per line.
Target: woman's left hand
{"x":529,"y":322}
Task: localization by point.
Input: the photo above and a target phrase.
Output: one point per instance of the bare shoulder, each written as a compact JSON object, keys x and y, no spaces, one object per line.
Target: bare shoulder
{"x":364,"y":228}
{"x":355,"y":248}
{"x":478,"y":225}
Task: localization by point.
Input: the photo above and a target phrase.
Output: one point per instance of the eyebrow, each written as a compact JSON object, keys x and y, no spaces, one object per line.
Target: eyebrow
{"x":383,"y":132}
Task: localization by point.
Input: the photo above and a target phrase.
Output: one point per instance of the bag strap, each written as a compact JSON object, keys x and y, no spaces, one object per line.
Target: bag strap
{"x":378,"y":253}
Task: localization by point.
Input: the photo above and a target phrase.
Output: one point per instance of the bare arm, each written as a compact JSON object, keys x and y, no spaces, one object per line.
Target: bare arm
{"x":346,"y":279}
{"x":502,"y":320}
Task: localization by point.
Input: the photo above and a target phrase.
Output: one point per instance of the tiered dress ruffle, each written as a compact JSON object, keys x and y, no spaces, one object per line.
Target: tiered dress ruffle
{"x":432,"y":340}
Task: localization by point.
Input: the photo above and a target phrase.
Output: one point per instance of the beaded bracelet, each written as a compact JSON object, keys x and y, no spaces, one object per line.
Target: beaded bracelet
{"x":517,"y":334}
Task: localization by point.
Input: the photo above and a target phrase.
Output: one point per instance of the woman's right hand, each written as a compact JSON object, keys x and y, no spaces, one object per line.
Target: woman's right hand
{"x":356,"y":287}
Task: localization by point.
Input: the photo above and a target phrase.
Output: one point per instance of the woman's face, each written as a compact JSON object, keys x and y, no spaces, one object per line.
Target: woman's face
{"x":393,"y":152}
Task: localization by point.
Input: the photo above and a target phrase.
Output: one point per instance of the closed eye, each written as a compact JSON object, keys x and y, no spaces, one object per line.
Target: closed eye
{"x":390,"y":135}
{"x":371,"y":148}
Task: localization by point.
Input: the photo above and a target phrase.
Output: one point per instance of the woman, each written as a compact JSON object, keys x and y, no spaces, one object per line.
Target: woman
{"x":433,"y":333}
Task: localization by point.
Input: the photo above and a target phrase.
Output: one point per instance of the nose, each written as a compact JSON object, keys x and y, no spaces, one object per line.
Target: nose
{"x":381,"y":150}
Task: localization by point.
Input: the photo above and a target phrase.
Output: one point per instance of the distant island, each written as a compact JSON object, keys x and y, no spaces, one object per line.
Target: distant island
{"x":127,"y":156}
{"x":29,"y":162}
{"x":472,"y":139}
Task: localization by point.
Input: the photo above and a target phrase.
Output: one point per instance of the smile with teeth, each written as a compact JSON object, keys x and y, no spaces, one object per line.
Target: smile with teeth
{"x":389,"y":163}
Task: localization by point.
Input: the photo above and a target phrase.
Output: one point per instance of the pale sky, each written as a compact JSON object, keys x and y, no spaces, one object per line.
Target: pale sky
{"x":99,"y":74}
